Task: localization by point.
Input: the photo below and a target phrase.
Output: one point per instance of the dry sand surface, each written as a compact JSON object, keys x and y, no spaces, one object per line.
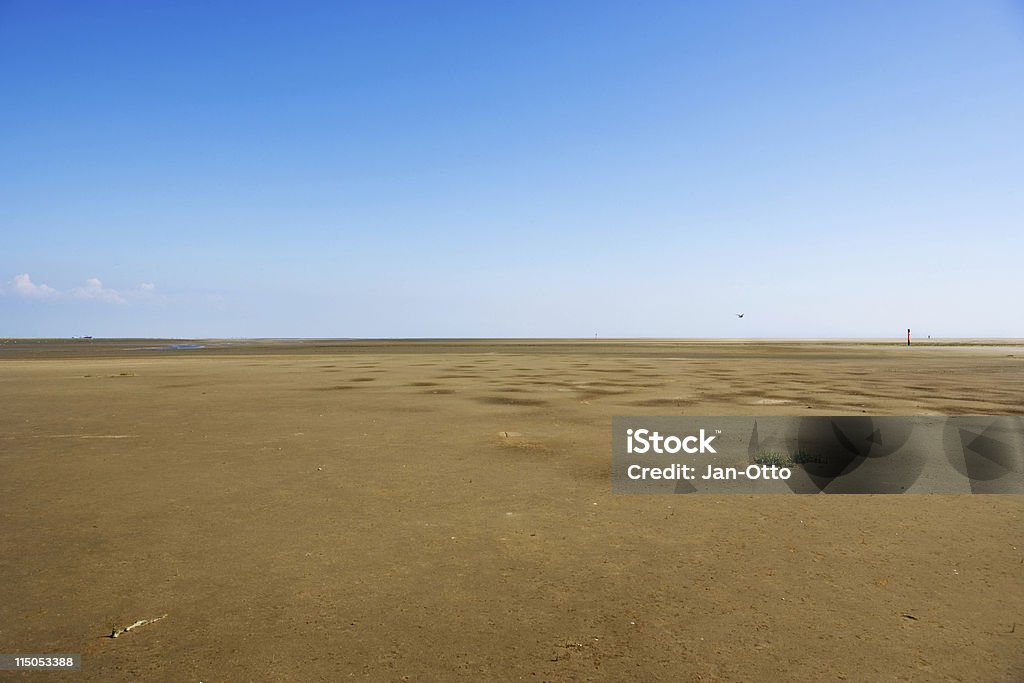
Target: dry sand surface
{"x":352,"y":510}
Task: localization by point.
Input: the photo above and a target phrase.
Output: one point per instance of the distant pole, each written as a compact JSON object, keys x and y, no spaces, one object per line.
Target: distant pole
{"x":908,"y":336}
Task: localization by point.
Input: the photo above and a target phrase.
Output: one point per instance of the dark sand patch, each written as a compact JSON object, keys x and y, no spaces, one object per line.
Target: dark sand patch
{"x":675,"y":402}
{"x":510,"y":401}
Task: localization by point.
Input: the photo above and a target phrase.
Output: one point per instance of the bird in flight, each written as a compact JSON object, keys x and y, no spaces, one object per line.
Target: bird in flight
{"x":740,"y":315}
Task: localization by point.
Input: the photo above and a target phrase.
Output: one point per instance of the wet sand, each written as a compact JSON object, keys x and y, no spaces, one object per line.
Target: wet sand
{"x":438,"y":510}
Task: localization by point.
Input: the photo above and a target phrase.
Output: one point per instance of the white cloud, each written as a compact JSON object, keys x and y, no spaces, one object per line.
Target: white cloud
{"x":92,"y":290}
{"x":95,"y":290}
{"x":23,"y":286}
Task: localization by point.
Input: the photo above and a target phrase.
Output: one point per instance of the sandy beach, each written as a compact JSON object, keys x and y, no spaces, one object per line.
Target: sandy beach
{"x":442,"y":510}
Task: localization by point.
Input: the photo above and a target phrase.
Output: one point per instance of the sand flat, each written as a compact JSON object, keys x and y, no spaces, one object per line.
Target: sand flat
{"x":325,"y":510}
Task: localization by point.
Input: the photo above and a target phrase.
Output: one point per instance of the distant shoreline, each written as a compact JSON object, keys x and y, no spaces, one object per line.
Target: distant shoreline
{"x":941,"y":341}
{"x":664,"y":349}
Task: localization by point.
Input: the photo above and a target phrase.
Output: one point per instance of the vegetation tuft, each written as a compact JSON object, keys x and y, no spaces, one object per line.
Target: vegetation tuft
{"x":772,"y":458}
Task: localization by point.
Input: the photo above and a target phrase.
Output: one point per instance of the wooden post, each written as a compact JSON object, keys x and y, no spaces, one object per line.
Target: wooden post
{"x":908,"y":336}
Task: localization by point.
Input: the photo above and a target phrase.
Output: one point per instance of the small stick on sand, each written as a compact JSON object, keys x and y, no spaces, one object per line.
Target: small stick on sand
{"x":141,"y":622}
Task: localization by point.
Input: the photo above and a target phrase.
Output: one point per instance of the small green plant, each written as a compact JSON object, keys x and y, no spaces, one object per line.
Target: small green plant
{"x":802,"y":457}
{"x":772,"y":458}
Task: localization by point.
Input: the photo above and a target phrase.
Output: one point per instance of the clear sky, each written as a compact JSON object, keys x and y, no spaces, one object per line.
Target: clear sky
{"x":528,"y":168}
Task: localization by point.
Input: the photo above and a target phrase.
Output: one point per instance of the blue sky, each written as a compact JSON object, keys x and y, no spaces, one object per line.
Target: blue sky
{"x":390,"y":169}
